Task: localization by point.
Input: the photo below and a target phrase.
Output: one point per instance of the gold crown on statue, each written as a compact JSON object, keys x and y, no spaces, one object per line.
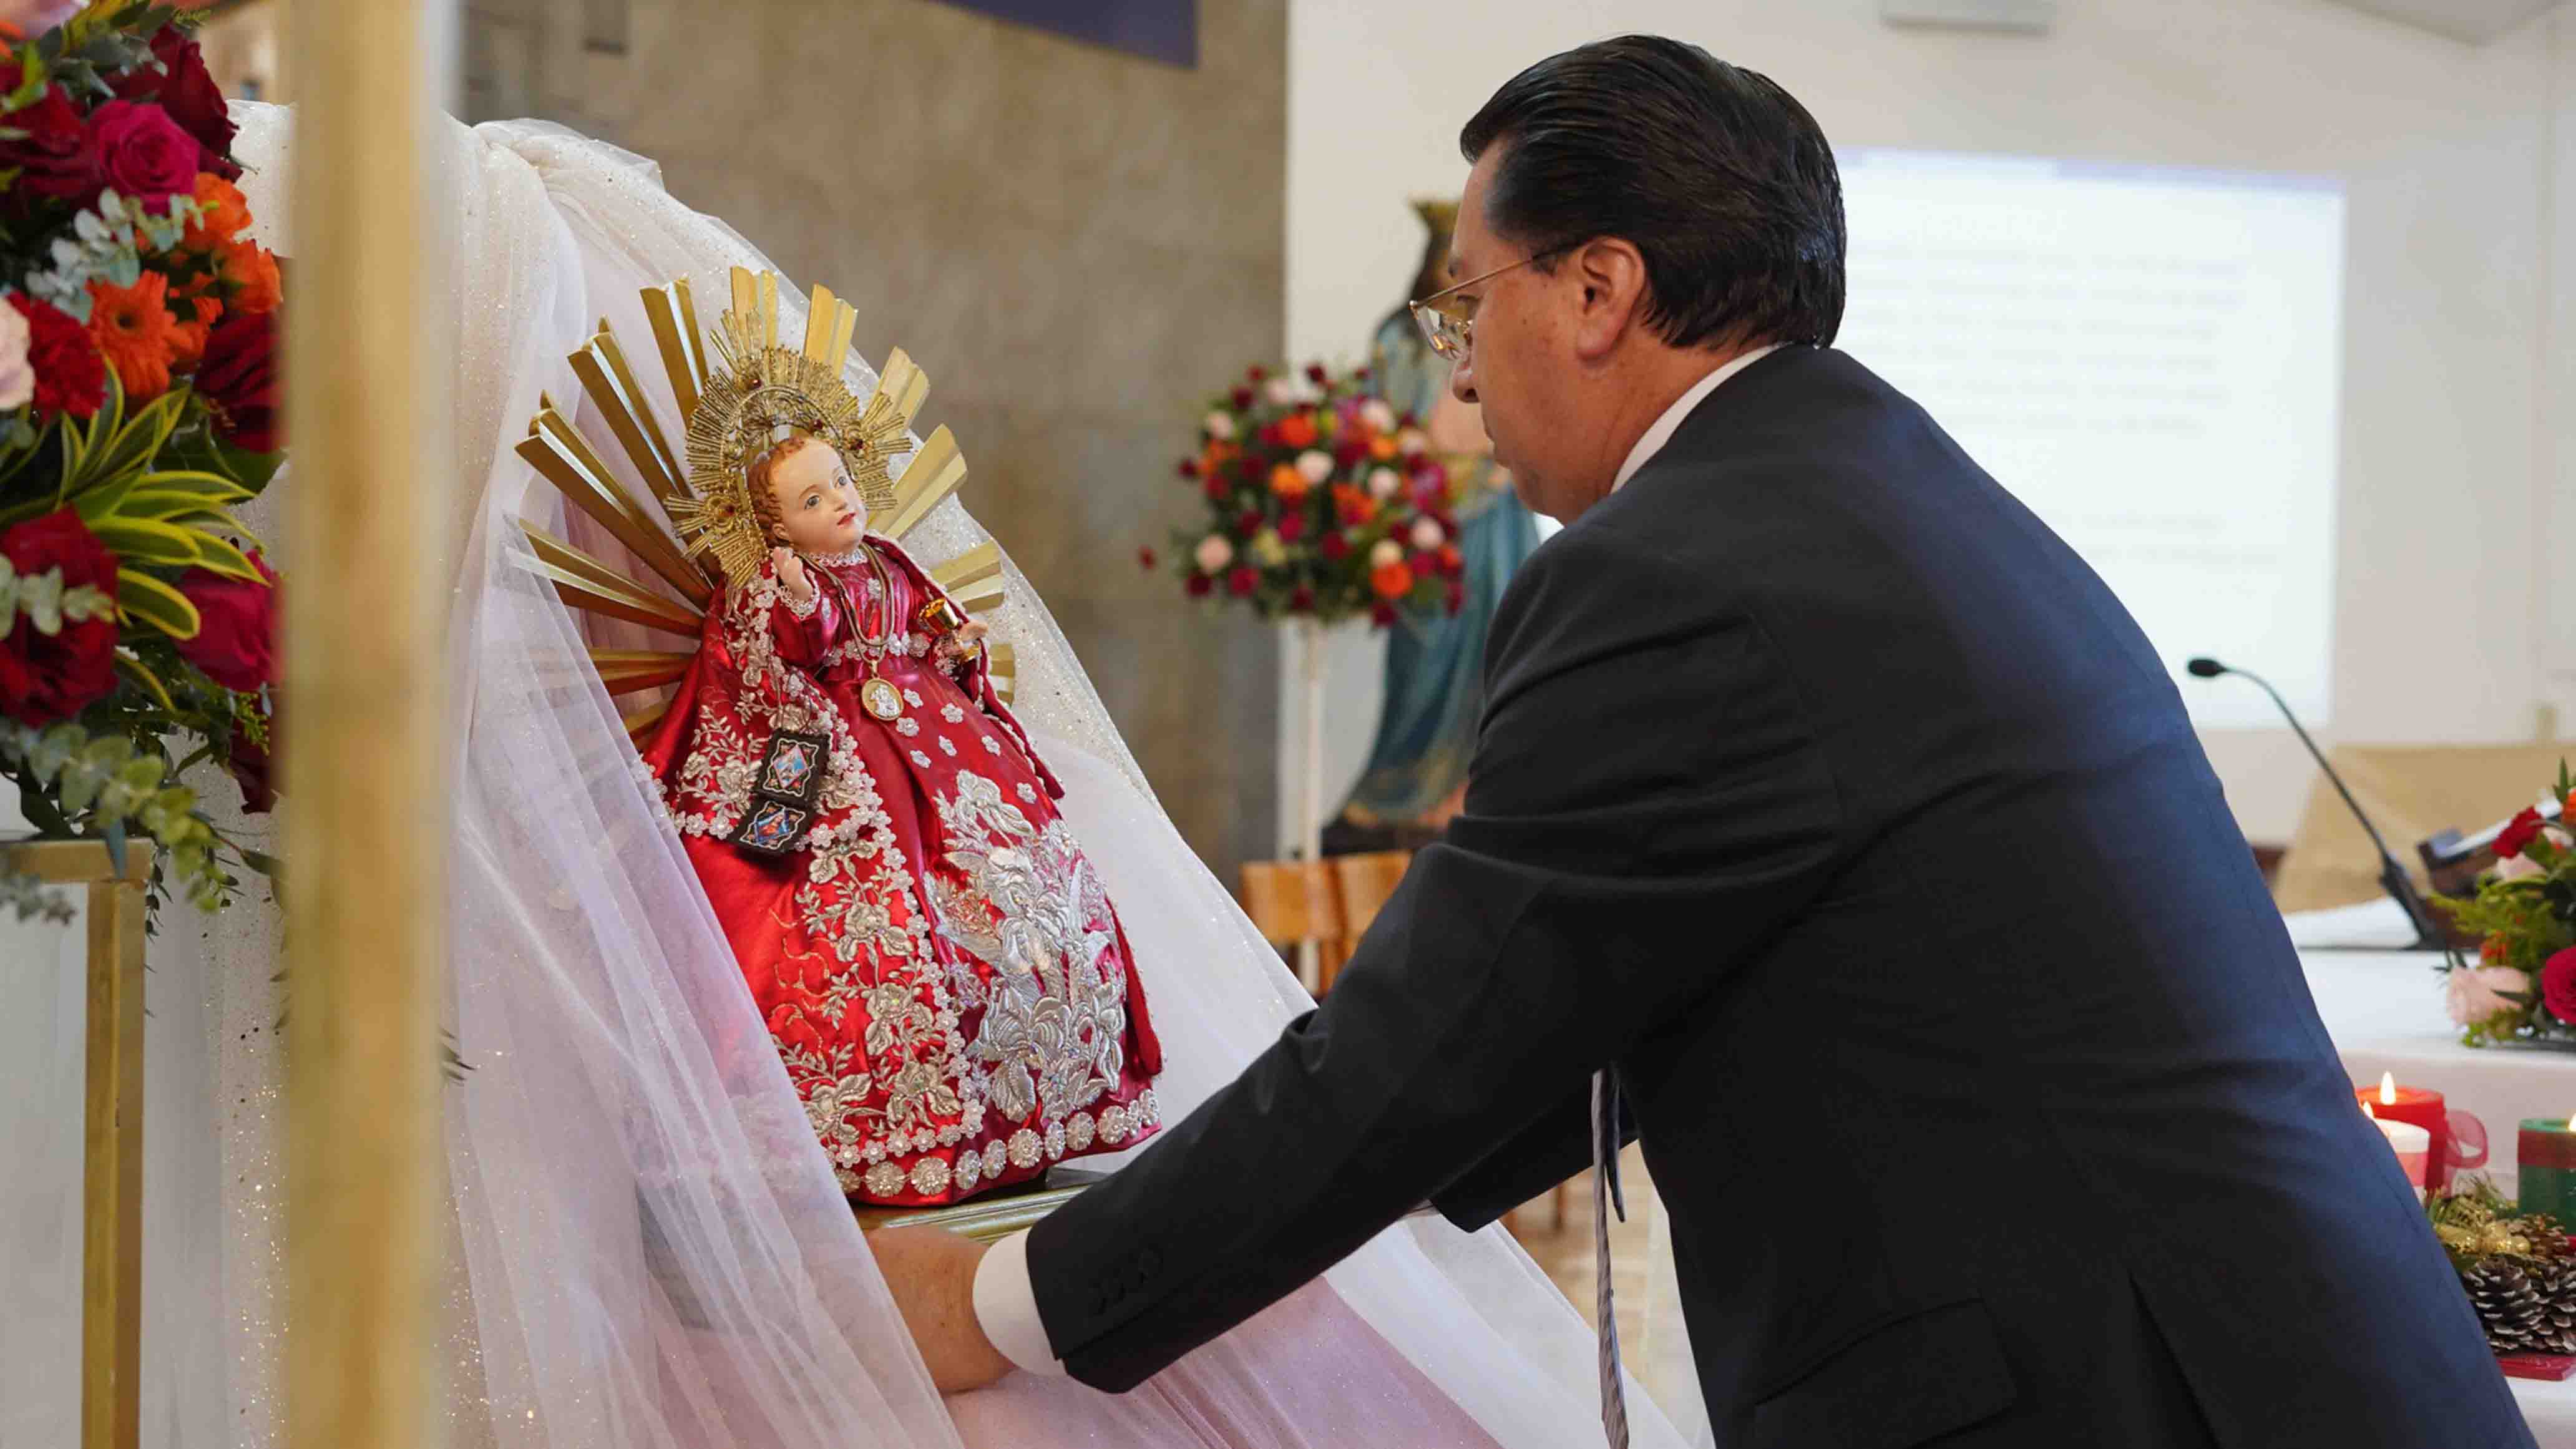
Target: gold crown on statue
{"x":758,"y":393}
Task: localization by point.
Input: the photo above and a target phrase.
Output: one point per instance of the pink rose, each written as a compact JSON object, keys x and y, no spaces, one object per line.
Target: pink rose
{"x":31,"y":18}
{"x":17,"y":375}
{"x":2475,"y":993}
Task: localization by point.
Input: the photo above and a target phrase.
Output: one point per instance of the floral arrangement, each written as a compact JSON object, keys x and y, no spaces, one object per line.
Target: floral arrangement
{"x":1323,"y":503}
{"x":138,"y":392}
{"x":2522,"y":987}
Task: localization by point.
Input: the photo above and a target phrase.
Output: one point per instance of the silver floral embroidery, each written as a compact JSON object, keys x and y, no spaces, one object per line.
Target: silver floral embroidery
{"x":1024,"y":1148}
{"x":1077,"y":1131}
{"x":910,"y":698}
{"x":952,"y":714}
{"x":907,"y":726}
{"x":947,"y":747}
{"x":1028,"y":793}
{"x":921,"y":760}
{"x":1032,"y":910}
{"x":992,"y":746}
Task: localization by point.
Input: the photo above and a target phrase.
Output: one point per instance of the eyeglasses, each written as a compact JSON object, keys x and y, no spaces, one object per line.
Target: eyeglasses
{"x":1448,"y":321}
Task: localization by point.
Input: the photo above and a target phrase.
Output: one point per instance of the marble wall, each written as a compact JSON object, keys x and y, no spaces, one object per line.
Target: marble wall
{"x":1075,"y":244}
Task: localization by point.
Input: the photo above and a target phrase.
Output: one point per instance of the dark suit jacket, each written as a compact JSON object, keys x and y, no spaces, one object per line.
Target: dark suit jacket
{"x":1827,"y":795}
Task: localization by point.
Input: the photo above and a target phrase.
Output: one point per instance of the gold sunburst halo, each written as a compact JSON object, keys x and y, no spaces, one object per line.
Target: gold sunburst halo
{"x":758,"y":392}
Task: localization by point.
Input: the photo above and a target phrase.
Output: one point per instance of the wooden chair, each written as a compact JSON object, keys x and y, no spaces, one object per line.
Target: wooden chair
{"x":1292,"y":902}
{"x":1364,"y":883}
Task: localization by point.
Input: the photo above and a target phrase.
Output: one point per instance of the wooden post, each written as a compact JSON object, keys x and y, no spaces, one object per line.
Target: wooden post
{"x":364,"y":790}
{"x":111,"y":1128}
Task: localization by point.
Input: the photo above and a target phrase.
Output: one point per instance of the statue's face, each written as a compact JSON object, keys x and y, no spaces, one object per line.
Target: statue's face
{"x":818,"y":506}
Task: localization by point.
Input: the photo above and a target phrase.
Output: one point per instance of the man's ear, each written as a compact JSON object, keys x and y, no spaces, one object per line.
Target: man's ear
{"x":1612,"y":274}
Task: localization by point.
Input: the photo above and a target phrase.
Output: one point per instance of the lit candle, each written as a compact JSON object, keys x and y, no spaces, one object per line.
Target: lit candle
{"x":2390,"y":1102}
{"x":2545,"y":1166}
{"x":2411,"y":1143}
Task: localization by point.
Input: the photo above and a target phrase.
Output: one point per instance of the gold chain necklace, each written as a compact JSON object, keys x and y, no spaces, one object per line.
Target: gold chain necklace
{"x":877,"y":694}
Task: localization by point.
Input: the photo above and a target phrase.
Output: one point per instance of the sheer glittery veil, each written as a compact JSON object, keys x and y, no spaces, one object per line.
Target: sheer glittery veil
{"x":652,"y":1250}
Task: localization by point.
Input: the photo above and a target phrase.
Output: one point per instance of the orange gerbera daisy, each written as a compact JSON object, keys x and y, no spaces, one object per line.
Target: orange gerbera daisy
{"x":226,"y":214}
{"x":200,"y":314}
{"x":251,"y":269}
{"x":136,"y":333}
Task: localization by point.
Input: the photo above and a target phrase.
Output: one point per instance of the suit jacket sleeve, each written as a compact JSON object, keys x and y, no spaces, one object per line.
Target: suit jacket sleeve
{"x":1646,"y":806}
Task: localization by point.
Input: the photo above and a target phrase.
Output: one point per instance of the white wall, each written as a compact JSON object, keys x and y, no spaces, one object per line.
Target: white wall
{"x":2460,"y":271}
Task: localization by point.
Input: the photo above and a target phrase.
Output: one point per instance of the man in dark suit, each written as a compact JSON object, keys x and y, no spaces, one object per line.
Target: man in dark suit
{"x":1834,"y":806}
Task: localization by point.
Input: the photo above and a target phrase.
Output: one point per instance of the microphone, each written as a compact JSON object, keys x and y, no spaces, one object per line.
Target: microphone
{"x":2392,"y":876}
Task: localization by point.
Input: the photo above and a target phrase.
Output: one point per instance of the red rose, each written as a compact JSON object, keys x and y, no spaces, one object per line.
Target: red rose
{"x":1269,"y":435}
{"x":70,"y":375}
{"x":236,"y":642}
{"x":251,"y":766}
{"x":1452,"y":562}
{"x":187,"y":91}
{"x":1189,"y":467}
{"x":1247,"y":523}
{"x":1382,"y":615}
{"x":1315,"y":373}
{"x":1242,"y":397}
{"x":1333,"y":547}
{"x":239,"y":381}
{"x":1301,"y":600}
{"x":1200,"y":585}
{"x":1248,"y":469}
{"x":1348,"y":452}
{"x":2518,"y":832}
{"x":1216,"y":488}
{"x":1256,"y":374}
{"x":57,"y":157}
{"x":1241,"y":582}
{"x":1292,"y":527}
{"x":1145,"y":558}
{"x":47,"y":677}
{"x":1457,"y":598}
{"x":143,"y":153}
{"x":2558,"y":985}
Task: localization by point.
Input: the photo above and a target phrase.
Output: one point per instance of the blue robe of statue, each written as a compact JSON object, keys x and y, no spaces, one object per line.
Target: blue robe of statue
{"x":1435,"y":666}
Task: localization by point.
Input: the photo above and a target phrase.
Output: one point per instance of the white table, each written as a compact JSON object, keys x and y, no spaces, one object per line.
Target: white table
{"x":2384,"y":1010}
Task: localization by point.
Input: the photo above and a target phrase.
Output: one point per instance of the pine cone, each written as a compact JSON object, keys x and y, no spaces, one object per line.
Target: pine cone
{"x":2517,"y":1318}
{"x":2556,"y":1284}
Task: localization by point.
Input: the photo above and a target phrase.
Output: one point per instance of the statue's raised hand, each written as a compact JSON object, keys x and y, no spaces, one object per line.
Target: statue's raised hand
{"x":791,"y":574}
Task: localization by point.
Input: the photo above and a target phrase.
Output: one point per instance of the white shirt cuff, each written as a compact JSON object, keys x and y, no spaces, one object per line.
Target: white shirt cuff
{"x":1006,"y":1308}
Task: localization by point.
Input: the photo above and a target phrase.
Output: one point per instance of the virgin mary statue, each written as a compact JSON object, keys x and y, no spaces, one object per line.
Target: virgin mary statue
{"x":647,"y":1240}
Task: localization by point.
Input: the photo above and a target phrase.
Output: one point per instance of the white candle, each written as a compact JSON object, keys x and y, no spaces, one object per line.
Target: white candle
{"x":2411,"y":1143}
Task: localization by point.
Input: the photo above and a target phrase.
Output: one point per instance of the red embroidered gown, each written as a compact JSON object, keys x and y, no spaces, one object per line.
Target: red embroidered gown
{"x":940,"y":969}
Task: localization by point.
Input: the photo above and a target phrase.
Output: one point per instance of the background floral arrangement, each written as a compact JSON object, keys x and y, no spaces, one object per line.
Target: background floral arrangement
{"x":138,"y":390}
{"x":1322,"y":501}
{"x":2522,"y":987}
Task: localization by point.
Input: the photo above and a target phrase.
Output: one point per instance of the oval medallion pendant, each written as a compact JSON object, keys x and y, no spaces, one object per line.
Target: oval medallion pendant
{"x":881,"y":699}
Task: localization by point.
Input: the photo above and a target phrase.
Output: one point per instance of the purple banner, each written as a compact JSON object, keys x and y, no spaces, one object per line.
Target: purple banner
{"x":1164,"y":30}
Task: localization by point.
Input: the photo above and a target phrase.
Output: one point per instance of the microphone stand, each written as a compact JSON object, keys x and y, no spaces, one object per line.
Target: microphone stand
{"x":2392,"y":876}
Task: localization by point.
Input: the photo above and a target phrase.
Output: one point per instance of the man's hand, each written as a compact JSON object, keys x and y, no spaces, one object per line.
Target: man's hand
{"x":932,"y":1273}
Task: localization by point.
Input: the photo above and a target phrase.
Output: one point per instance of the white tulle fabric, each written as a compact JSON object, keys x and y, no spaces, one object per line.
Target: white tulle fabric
{"x":649,"y":1249}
